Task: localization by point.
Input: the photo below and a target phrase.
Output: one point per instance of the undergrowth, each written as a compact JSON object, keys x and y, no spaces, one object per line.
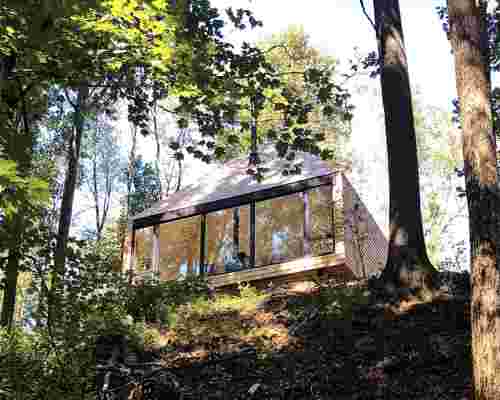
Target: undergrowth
{"x":246,"y":301}
{"x":332,"y":302}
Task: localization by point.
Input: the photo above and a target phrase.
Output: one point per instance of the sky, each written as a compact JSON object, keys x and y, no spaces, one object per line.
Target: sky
{"x":337,"y":26}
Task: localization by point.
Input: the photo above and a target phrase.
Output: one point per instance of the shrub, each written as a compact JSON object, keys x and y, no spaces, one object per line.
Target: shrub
{"x":338,"y":302}
{"x":151,"y":337}
{"x":22,"y":363}
{"x":332,"y":302}
{"x":57,"y":360}
{"x":152,"y":301}
{"x":248,"y":291}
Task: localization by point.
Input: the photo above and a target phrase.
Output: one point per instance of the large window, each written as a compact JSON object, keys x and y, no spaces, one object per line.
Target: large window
{"x":321,"y":217}
{"x":228,"y":240}
{"x":143,"y":249}
{"x":180,"y":248}
{"x":279,"y":229}
{"x":283,"y":232}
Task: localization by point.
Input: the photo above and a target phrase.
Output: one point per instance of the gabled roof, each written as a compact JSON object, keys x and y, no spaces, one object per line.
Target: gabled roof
{"x":229,"y":185}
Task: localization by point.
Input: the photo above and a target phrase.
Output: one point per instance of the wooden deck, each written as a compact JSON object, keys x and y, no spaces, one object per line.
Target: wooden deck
{"x":278,"y":271}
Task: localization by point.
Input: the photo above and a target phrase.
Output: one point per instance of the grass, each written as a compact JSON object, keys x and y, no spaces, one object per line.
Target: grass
{"x":228,"y":321}
{"x":420,"y":345}
{"x":224,"y":318}
{"x":246,"y":302}
{"x":332,"y":302}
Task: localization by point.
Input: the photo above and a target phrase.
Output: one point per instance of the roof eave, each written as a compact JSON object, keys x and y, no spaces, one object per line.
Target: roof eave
{"x":230,"y":202}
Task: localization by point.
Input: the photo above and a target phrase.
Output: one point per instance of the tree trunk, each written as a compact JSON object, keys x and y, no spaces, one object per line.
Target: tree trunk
{"x":130,"y":177}
{"x":70,"y":179}
{"x":10,"y":291}
{"x":479,"y":150}
{"x":95,"y":189}
{"x":179,"y":176}
{"x":7,"y":65}
{"x":408,"y":271}
{"x":19,"y":148}
{"x":158,"y":151}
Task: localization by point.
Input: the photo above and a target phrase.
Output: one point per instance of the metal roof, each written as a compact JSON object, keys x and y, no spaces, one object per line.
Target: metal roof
{"x":229,"y":185}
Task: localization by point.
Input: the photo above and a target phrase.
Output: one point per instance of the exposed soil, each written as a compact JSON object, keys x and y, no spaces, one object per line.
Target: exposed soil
{"x":418,"y":351}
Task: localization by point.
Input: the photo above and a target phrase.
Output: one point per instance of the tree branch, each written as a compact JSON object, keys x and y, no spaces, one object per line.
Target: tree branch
{"x":366,"y":14}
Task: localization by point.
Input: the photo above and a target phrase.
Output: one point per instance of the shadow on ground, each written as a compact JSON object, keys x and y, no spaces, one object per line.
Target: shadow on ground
{"x":420,"y":351}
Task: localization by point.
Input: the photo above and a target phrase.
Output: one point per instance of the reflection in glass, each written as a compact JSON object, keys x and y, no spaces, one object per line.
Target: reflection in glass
{"x":280,"y":236}
{"x":180,"y":248}
{"x":228,"y":240}
{"x":143,"y":249}
{"x":279,"y":229}
{"x":321,"y":212}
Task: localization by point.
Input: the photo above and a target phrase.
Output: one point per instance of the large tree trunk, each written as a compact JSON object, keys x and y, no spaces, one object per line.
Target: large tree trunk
{"x":71,"y":179}
{"x":479,"y":150}
{"x":19,"y":147}
{"x":12,"y":273}
{"x":7,"y":65}
{"x":408,"y":270}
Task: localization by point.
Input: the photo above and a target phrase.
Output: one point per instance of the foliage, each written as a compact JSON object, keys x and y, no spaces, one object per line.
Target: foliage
{"x":15,"y":191}
{"x":225,"y":317}
{"x":23,"y":363}
{"x":336,"y":302}
{"x":146,"y":186}
{"x":440,"y":156}
{"x":292,"y":54}
{"x":151,"y":337}
{"x":246,"y":300}
{"x":152,"y":301}
{"x":102,"y":165}
{"x":57,"y":358}
{"x":242,"y":93}
{"x":107,"y":249}
{"x":493,"y":34}
{"x":332,"y":301}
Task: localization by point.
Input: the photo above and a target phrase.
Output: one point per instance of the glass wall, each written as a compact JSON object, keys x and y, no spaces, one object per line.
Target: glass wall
{"x":180,"y":248}
{"x":144,"y":249}
{"x":280,"y":232}
{"x":227,"y":245}
{"x":321,"y":217}
{"x":279,"y":229}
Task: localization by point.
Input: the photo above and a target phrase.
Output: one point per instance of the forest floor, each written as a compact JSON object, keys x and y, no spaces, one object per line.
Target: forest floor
{"x":288,"y":346}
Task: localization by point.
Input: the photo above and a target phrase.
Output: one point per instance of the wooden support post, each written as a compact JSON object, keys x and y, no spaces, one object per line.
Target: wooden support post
{"x":336,"y":186}
{"x":203,"y":230}
{"x":156,"y":250}
{"x":131,"y":260}
{"x":307,"y":225}
{"x":252,"y":234}
{"x":236,"y":232}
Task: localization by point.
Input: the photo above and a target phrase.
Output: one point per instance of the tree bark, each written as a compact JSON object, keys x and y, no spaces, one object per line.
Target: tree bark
{"x":12,"y":273}
{"x":95,"y":190}
{"x":70,"y":179}
{"x":105,"y":169}
{"x":19,"y":146}
{"x":479,"y":149}
{"x":158,"y":150}
{"x":130,"y":177}
{"x":408,"y":271}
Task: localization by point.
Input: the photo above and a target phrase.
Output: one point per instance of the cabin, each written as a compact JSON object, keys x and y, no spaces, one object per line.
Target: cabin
{"x":232,"y":229}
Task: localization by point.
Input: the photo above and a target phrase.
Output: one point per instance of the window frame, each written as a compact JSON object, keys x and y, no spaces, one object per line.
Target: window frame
{"x":302,"y":189}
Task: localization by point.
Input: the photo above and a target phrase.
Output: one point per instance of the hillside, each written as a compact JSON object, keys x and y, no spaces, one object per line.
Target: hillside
{"x":331,"y":344}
